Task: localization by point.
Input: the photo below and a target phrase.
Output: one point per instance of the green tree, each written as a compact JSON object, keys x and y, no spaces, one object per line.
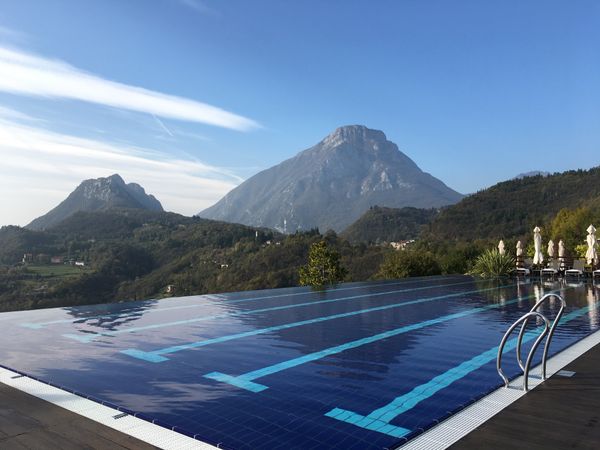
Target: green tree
{"x":570,"y":225}
{"x":323,"y":266}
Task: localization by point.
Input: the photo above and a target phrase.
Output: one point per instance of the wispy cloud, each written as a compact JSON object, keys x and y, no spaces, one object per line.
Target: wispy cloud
{"x":40,"y":167}
{"x":197,"y":5}
{"x":13,"y":114}
{"x":12,"y":35}
{"x":187,"y":134}
{"x":162,"y":125}
{"x":27,"y":74}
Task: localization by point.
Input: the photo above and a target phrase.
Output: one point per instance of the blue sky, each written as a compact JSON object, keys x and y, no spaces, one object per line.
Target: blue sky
{"x":190,"y":97}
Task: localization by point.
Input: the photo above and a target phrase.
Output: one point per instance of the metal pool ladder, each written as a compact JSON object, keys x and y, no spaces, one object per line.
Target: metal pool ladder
{"x":548,"y":331}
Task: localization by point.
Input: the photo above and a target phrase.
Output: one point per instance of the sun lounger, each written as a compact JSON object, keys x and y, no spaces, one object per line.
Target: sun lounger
{"x":577,"y":269}
{"x":523,"y":269}
{"x":552,"y":269}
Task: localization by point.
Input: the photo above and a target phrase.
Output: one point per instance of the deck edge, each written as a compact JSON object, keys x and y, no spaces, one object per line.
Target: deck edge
{"x":117,"y":420}
{"x":451,"y":430}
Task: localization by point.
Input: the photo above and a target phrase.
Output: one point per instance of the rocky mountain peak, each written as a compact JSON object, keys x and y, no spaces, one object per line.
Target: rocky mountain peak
{"x":331,"y":184}
{"x":98,"y":194}
{"x":354,"y":135}
{"x":102,"y":188}
{"x":114,"y":178}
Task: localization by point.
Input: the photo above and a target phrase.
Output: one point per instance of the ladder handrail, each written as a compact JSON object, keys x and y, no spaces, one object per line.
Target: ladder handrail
{"x":542,"y":335}
{"x":550,"y":334}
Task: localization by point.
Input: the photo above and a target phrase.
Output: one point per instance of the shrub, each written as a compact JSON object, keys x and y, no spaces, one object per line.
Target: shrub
{"x":492,"y":264}
{"x":409,"y":263}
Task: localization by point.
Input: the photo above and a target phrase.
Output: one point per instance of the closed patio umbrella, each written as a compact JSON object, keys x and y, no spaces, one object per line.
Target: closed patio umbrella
{"x":561,"y":249}
{"x":550,"y":249}
{"x":538,"y":257}
{"x":561,"y":254}
{"x":591,"y":255}
{"x":501,"y":247}
{"x":519,"y":254}
{"x":519,"y":249}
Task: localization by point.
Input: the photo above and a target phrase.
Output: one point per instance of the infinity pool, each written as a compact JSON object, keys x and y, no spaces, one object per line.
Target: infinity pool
{"x":358,"y":366}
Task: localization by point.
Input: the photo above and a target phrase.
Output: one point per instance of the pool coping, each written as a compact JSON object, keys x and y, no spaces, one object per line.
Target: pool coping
{"x":118,"y":420}
{"x":457,"y":426}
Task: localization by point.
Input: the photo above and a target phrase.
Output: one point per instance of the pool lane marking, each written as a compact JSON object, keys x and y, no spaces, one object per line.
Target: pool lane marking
{"x":378,"y":420}
{"x":212,"y":297}
{"x":156,"y":356}
{"x":246,"y":381}
{"x":86,"y":337}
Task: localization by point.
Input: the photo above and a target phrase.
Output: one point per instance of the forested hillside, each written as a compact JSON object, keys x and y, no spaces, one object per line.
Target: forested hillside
{"x":380,"y":224}
{"x":122,"y":254}
{"x":128,"y":254}
{"x":513,"y":208}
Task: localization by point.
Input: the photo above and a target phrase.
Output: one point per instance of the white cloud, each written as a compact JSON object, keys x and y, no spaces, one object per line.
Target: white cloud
{"x":40,"y":168}
{"x":26,"y":74}
{"x":13,"y":114}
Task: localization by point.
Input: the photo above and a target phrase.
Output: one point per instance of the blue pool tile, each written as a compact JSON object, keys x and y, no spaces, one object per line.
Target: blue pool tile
{"x":381,"y":392}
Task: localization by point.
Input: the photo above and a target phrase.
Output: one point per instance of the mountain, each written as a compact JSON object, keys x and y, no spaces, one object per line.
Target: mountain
{"x":332,"y":184}
{"x":96,"y":195}
{"x":513,"y":208}
{"x":380,"y":224}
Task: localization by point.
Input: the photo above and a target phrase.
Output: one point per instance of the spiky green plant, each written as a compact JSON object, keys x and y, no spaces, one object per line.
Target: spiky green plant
{"x":491,"y":264}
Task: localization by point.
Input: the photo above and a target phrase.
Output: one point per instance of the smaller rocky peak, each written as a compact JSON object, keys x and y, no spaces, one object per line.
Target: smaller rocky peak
{"x":98,"y":194}
{"x":102,"y":188}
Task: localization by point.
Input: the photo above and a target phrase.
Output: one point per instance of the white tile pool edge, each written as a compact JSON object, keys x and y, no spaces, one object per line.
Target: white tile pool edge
{"x":132,"y":426}
{"x":463,"y":422}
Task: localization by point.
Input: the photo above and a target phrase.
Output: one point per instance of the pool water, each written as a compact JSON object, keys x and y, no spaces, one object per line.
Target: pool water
{"x":357,"y":366}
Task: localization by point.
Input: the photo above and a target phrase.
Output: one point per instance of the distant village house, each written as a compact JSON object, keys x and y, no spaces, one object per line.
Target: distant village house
{"x":401,"y":245}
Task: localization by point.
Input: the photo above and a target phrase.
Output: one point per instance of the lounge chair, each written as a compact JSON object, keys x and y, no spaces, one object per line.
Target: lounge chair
{"x":577,"y":269}
{"x":523,"y":269}
{"x":552,"y":268}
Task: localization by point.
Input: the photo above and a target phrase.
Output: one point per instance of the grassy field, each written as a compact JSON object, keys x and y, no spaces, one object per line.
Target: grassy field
{"x":55,"y":270}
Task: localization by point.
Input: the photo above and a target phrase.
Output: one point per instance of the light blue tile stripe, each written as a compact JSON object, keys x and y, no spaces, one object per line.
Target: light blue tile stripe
{"x":366,"y":422}
{"x":246,"y":381}
{"x":156,"y":355}
{"x":420,"y":393}
{"x":90,"y":336}
{"x":220,"y":298}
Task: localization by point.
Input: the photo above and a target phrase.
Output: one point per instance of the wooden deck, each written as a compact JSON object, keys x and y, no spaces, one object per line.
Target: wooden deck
{"x":562,"y":413}
{"x":27,"y":422}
